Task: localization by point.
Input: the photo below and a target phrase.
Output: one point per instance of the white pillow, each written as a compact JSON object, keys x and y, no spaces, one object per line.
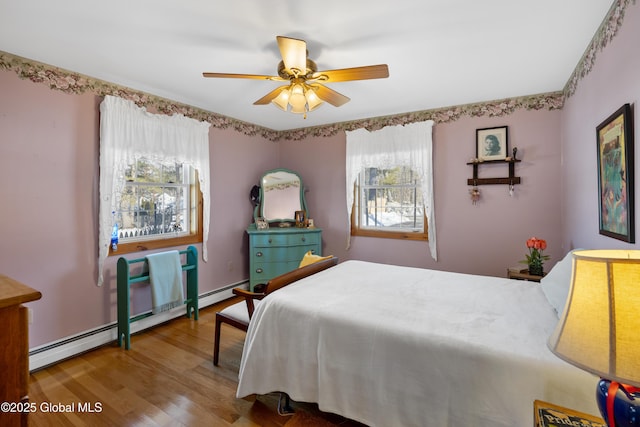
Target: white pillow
{"x":555,"y":285}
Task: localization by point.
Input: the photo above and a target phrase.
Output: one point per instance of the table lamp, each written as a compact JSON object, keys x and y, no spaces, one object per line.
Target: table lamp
{"x":599,"y":330}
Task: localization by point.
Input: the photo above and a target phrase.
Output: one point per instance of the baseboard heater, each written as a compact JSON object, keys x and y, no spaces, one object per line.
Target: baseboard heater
{"x":48,"y":354}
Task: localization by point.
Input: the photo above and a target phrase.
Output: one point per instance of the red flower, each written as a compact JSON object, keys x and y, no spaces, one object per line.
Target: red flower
{"x":535,"y":256}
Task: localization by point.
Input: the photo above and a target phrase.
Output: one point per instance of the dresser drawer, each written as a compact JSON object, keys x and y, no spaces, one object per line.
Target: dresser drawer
{"x":262,"y":255}
{"x":303,"y":239}
{"x":281,"y":253}
{"x":291,"y":239}
{"x":263,"y":272}
{"x":269,"y":240}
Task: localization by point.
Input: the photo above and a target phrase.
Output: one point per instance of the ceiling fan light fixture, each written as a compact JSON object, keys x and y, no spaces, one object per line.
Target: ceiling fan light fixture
{"x":297,"y":89}
{"x":298,"y":105}
{"x":297,"y":99}
{"x":313,"y":100}
{"x":282,"y":100}
{"x":304,"y":92}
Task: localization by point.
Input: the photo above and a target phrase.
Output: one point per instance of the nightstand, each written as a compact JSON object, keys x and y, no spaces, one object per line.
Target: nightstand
{"x":523,"y":274}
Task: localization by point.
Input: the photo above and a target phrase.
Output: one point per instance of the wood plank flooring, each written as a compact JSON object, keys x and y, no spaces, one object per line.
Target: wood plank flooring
{"x":167,"y":378}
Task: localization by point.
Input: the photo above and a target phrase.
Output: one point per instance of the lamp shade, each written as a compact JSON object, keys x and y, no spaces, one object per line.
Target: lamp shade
{"x":599,"y":330}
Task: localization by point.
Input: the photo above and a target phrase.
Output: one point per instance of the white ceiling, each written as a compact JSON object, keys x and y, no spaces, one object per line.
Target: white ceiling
{"x":440,"y":52}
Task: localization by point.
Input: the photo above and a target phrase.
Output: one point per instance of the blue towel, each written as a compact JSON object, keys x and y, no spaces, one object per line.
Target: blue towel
{"x":165,"y":274}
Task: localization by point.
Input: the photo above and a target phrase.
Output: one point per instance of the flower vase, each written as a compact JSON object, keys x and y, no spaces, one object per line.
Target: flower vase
{"x":535,"y":269}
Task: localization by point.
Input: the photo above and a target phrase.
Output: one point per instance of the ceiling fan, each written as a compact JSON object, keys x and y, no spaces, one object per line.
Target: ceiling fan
{"x":305,"y":90}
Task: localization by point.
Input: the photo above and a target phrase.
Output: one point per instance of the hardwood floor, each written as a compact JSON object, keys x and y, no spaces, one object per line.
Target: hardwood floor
{"x":167,"y":378}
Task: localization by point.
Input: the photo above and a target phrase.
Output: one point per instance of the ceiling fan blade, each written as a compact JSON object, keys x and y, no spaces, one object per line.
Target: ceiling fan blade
{"x":294,"y":53}
{"x":357,"y":73}
{"x":331,"y":96}
{"x":241,"y":76}
{"x":270,"y":96}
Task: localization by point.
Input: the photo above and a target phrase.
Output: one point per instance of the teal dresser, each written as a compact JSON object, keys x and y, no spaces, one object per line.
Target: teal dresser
{"x":276,"y":250}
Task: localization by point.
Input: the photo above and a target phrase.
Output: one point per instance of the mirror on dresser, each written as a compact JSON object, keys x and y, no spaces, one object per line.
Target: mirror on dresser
{"x":281,"y":195}
{"x":279,"y":244}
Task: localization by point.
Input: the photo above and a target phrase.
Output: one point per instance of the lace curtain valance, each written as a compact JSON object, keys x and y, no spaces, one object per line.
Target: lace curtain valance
{"x":128,"y":132}
{"x":403,"y":145}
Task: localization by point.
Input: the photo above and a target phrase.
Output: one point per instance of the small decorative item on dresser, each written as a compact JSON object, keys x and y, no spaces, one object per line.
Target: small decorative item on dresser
{"x":301,"y":218}
{"x":535,"y":259}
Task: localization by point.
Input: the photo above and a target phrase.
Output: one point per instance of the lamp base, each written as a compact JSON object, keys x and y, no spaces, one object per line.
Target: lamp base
{"x":619,"y":403}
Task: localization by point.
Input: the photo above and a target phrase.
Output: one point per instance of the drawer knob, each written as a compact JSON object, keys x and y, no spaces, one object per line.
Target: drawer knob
{"x":258,"y":254}
{"x":304,"y":239}
{"x":259,"y":270}
{"x":270,"y":240}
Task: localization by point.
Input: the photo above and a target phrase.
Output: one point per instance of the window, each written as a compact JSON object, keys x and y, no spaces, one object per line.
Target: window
{"x":388,"y":203}
{"x":158,"y":207}
{"x":390,"y":183}
{"x":144,"y":179}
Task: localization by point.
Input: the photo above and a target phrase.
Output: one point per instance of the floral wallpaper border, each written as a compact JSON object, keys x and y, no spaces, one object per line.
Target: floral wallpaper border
{"x":74,"y":83}
{"x":604,"y":34}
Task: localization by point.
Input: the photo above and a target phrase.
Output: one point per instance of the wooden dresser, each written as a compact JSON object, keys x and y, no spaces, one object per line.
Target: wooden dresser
{"x":14,"y":350}
{"x":275,"y":251}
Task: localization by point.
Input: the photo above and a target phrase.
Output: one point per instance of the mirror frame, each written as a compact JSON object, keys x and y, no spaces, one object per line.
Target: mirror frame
{"x":259,"y":209}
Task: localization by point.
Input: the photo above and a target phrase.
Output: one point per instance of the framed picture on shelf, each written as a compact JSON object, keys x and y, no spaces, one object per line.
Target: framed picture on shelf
{"x":492,"y":143}
{"x":615,"y":175}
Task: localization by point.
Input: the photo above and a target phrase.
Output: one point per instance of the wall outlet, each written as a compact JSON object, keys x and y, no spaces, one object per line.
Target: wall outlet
{"x":30,"y":313}
{"x":229,"y":265}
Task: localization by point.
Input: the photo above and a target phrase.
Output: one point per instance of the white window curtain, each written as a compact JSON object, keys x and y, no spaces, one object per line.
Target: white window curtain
{"x":128,"y":132}
{"x":403,"y":145}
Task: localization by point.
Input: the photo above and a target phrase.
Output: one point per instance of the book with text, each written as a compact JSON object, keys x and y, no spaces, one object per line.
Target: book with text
{"x":550,"y":415}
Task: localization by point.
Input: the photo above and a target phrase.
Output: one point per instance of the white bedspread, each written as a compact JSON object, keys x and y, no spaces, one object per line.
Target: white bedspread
{"x":399,"y":346}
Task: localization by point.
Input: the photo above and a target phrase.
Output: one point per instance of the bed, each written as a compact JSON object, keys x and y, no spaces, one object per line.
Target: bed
{"x":399,"y":346}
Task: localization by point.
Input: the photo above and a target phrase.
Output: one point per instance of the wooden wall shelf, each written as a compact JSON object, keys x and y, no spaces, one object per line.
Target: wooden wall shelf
{"x":510,"y":180}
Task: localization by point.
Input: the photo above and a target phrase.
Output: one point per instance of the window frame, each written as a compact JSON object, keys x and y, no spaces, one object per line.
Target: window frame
{"x":356,"y":215}
{"x":194,"y":236}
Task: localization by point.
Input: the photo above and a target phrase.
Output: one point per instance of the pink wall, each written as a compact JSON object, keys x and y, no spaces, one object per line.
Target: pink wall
{"x":49,"y":172}
{"x":613,"y":81}
{"x":482,"y":239}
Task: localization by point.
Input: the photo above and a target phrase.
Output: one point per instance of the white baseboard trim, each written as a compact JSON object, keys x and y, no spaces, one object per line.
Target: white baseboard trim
{"x":48,"y":354}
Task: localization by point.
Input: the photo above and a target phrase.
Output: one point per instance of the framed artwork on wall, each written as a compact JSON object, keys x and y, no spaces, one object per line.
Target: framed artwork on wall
{"x":492,"y":143}
{"x":615,"y":175}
